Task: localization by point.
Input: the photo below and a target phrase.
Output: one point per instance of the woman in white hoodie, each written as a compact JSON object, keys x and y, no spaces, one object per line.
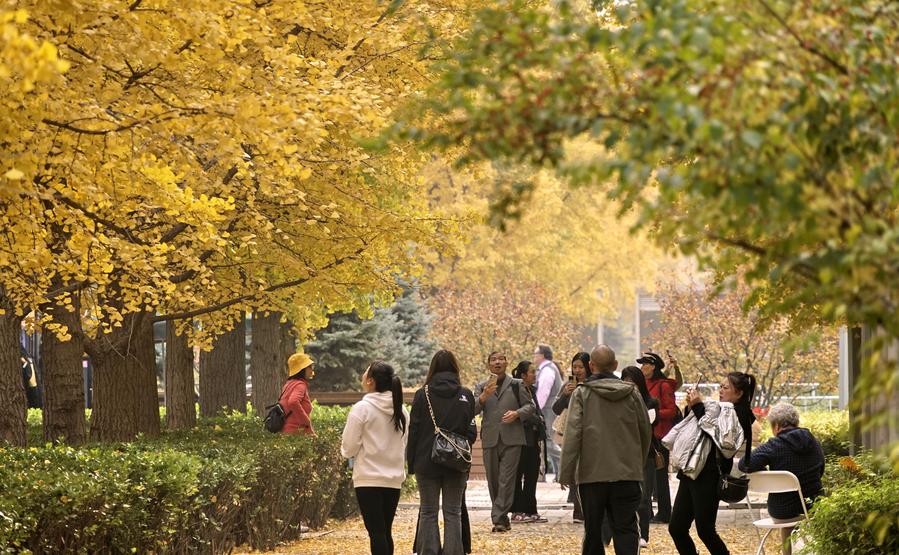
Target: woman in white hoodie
{"x":375,"y":437}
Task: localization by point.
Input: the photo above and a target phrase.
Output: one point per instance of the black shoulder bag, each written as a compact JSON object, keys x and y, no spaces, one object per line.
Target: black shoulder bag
{"x":450,"y":450}
{"x":731,"y":489}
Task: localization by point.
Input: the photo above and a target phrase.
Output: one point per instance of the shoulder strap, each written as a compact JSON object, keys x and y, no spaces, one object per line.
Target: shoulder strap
{"x":516,"y":391}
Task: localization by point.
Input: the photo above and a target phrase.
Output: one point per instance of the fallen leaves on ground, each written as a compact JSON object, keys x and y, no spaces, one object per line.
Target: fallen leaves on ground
{"x":558,"y":536}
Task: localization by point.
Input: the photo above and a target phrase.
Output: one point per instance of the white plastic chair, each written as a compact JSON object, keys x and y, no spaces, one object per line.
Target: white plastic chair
{"x":775,"y":481}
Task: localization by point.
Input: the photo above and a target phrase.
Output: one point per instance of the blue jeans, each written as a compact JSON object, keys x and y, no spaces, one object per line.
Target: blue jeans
{"x":452,"y":487}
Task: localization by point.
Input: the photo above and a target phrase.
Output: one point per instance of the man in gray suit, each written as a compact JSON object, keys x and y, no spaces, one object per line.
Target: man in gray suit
{"x":502,"y":434}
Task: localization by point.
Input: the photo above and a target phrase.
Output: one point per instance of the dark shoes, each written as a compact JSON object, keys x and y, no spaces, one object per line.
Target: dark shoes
{"x":502,"y":527}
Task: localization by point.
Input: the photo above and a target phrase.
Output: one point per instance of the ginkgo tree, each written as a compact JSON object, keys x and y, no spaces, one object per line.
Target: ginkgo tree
{"x":28,"y":66}
{"x":535,"y":271}
{"x":199,"y":161}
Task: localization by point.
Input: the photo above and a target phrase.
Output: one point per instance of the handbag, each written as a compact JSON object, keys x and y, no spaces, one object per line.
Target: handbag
{"x":559,"y":428}
{"x":659,"y":457}
{"x":450,"y":450}
{"x":731,"y":489}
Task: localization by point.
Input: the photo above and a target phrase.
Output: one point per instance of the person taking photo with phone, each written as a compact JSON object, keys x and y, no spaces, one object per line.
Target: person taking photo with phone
{"x":579,"y":368}
{"x":504,"y":405}
{"x":702,"y":451}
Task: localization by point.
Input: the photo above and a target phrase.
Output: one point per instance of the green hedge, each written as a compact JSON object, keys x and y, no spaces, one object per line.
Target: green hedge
{"x":860,"y":514}
{"x":830,"y":427}
{"x":225,"y":483}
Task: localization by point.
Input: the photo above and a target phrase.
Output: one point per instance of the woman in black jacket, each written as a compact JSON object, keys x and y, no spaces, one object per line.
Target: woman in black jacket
{"x":453,"y":411}
{"x":524,"y":504}
{"x":697,"y":500}
{"x":580,"y":366}
{"x":635,"y":376}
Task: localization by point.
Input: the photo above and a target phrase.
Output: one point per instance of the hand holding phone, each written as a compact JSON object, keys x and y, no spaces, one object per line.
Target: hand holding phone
{"x":671,"y":359}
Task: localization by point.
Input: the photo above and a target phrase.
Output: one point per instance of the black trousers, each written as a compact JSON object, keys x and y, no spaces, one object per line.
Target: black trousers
{"x":378,"y":507}
{"x":618,"y":500}
{"x":525,"y":500}
{"x":697,"y":500}
{"x":645,"y":512}
{"x":662,"y":490}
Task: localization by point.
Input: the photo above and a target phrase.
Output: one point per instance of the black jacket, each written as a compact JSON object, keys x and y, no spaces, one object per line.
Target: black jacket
{"x":454,"y":411}
{"x":795,"y":450}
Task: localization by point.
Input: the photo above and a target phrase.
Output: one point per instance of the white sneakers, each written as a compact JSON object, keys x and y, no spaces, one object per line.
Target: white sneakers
{"x":643,"y":543}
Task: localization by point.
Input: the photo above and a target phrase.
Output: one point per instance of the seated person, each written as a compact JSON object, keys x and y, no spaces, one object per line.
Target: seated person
{"x":793,"y":449}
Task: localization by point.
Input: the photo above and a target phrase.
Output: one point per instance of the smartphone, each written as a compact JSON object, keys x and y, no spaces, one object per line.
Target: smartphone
{"x":571,"y":378}
{"x":701,"y":380}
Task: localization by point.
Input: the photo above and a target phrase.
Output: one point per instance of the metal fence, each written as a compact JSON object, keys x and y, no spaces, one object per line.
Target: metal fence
{"x":809,"y":401}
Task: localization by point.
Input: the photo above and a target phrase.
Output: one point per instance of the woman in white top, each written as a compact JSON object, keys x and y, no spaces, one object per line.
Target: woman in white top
{"x":375,"y":437}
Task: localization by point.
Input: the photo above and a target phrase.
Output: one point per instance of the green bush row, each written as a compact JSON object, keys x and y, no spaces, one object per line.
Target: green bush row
{"x":225,"y":483}
{"x":830,"y":427}
{"x":860,"y":515}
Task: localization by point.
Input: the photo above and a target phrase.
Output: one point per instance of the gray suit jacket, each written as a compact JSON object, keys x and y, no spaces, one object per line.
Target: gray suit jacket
{"x":502,"y":400}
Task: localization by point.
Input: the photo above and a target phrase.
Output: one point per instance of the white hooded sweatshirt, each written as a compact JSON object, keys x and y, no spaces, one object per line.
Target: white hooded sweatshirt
{"x":371,"y":438}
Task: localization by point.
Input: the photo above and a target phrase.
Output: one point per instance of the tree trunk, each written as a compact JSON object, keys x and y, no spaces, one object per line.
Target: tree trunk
{"x":63,"y":412}
{"x":180,"y":408}
{"x":266,"y":365}
{"x":223,"y":385}
{"x":288,"y":345}
{"x":126,"y":402}
{"x":13,"y":405}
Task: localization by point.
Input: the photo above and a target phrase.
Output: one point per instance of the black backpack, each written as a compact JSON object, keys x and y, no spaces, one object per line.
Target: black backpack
{"x":274,"y":420}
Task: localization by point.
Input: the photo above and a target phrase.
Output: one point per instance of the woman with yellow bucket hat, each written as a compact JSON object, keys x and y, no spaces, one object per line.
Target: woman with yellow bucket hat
{"x":295,"y":395}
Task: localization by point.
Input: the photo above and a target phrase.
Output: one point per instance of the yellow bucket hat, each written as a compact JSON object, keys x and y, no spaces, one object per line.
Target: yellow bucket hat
{"x":297,"y":362}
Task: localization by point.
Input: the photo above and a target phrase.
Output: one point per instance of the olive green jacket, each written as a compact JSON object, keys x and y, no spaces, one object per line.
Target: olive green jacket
{"x":607,"y":434}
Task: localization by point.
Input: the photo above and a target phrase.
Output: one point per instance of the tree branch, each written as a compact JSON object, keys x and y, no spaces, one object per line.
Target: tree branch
{"x":126,"y":233}
{"x":243,"y":298}
{"x":804,"y":44}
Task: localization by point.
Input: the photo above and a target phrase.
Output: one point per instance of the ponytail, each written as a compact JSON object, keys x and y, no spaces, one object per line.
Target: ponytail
{"x":386,"y":379}
{"x":744,"y":383}
{"x":399,"y":419}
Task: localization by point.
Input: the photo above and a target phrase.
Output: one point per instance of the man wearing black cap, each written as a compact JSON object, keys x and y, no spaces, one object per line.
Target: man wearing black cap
{"x":662,"y":388}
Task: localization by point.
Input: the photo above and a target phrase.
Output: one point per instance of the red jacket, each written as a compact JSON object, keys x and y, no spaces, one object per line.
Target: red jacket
{"x":297,"y":405}
{"x":663,"y":390}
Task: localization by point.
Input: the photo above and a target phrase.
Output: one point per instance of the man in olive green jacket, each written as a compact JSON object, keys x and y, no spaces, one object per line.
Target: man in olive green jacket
{"x":606,"y":444}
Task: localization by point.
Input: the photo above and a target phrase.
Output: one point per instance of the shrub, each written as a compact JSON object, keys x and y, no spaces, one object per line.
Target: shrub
{"x":858,"y":518}
{"x":59,"y":499}
{"x":225,"y":483}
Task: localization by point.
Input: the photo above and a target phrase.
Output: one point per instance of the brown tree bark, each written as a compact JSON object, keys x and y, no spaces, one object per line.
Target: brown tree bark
{"x":267,"y":365}
{"x":63,"y":412}
{"x":180,"y":407}
{"x":288,"y":344}
{"x":126,"y":402}
{"x":13,"y":405}
{"x":223,"y":373}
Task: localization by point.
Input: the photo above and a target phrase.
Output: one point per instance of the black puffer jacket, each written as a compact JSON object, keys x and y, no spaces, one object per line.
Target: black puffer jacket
{"x":454,"y":412}
{"x":795,"y":450}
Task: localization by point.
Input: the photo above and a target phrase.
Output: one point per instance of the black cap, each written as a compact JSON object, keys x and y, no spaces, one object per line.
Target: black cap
{"x":651,"y":358}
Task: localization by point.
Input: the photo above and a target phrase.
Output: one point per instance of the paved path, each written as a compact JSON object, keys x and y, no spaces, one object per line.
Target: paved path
{"x":550,"y":496}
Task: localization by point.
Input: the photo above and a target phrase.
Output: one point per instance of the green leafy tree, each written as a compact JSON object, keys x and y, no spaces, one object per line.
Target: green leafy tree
{"x":760,"y":136}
